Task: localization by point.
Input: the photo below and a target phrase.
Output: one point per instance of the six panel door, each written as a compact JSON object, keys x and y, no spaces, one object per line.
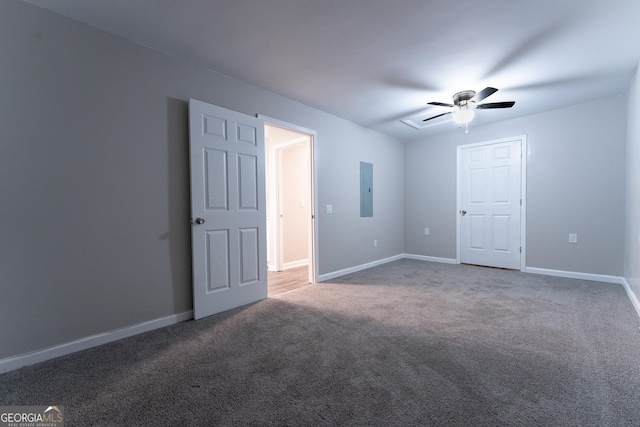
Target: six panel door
{"x":490,"y":204}
{"x":228,"y":208}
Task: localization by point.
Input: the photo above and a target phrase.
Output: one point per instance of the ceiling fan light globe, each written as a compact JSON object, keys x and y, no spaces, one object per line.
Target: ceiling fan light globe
{"x":463,"y":116}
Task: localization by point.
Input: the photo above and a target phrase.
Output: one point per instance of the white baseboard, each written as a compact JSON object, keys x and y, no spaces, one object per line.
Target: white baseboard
{"x":333,"y":275}
{"x":431,"y":258}
{"x":575,"y":275}
{"x":288,"y":265}
{"x":294,"y":264}
{"x":593,"y":277}
{"x":632,"y":296}
{"x":16,"y":362}
{"x":533,"y":270}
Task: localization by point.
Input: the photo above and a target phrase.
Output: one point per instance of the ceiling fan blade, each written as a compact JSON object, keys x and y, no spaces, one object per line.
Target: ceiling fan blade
{"x":508,"y":104}
{"x":440,"y":104}
{"x":435,"y":117}
{"x":487,"y":91}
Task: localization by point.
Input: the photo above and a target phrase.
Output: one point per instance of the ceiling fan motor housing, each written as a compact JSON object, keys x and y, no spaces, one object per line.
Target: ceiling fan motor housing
{"x":462,"y":98}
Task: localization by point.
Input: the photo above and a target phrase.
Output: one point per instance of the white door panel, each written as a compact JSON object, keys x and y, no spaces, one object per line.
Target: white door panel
{"x":477,"y":231}
{"x":501,"y":228}
{"x":218,"y":274}
{"x":228,"y":206}
{"x":489,"y":200}
{"x":216,"y":183}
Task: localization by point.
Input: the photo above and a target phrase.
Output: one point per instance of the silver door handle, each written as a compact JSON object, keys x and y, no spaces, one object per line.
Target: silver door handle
{"x":199,"y":221}
{"x":463,"y":212}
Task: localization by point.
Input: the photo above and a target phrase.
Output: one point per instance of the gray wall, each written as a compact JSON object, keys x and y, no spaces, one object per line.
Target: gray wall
{"x":575,"y":184}
{"x":632,"y":231}
{"x":94,"y":200}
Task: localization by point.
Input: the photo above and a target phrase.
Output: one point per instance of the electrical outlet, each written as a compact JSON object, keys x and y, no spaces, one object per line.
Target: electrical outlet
{"x":375,"y":243}
{"x":426,"y":231}
{"x":573,"y":238}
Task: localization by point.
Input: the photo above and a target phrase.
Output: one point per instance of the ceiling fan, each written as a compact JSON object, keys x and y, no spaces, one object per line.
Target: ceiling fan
{"x":465,"y":102}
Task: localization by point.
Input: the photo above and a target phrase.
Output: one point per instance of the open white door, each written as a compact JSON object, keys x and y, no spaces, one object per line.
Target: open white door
{"x":228,"y":209}
{"x":490,"y":203}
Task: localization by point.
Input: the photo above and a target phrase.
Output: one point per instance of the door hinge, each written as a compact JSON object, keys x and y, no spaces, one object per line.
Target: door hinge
{"x":520,"y":249}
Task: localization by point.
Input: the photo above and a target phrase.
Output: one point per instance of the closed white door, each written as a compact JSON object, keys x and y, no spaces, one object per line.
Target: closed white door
{"x":489,"y":202}
{"x":228,"y":208}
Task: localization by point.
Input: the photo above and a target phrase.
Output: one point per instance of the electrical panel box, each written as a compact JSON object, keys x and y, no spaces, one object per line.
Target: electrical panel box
{"x":366,"y":189}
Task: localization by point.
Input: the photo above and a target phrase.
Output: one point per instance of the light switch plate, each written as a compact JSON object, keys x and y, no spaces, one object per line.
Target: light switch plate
{"x":328,"y":209}
{"x":573,"y":238}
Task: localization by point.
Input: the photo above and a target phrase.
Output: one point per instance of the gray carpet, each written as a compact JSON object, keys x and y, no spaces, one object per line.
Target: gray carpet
{"x":405,"y":343}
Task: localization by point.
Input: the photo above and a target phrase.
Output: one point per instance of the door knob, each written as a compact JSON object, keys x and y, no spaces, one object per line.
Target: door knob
{"x":463,"y":212}
{"x":199,"y":221}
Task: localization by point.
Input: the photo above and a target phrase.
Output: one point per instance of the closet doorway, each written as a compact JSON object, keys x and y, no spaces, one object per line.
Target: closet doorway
{"x":291,"y":204}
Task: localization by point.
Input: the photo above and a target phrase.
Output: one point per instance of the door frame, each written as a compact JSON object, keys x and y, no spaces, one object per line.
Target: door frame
{"x":524,"y":150}
{"x":313,"y":178}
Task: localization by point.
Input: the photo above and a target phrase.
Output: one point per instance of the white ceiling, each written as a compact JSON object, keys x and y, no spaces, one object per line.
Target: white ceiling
{"x":375,"y":62}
